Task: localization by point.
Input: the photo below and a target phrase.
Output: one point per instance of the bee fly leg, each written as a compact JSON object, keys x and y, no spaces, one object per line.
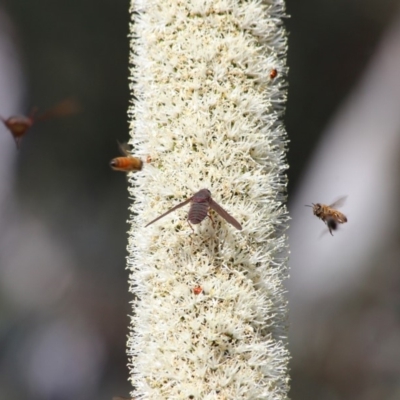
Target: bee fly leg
{"x":212,"y":221}
{"x":191,"y":227}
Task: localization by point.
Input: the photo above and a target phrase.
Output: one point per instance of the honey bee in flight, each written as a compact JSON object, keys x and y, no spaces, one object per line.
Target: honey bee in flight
{"x":19,"y":125}
{"x":329,"y":215}
{"x":128,"y":162}
{"x":200,"y":203}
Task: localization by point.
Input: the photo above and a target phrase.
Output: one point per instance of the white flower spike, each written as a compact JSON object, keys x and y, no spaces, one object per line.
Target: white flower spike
{"x":207,"y":113}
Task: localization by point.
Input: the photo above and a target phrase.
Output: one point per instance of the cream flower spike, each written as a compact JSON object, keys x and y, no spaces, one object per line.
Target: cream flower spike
{"x":207,"y":110}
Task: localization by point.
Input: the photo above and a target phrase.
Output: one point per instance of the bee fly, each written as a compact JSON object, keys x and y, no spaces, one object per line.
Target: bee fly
{"x":200,"y":203}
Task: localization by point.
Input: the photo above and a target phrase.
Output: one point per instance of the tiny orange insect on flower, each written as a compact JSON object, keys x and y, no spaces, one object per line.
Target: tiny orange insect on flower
{"x":126,"y":163}
{"x":197,"y":290}
{"x":273,"y":73}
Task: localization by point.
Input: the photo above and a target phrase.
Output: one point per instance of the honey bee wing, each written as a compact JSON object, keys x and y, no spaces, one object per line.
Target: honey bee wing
{"x":339,"y":202}
{"x":170,"y":211}
{"x":65,"y":108}
{"x":124,"y":148}
{"x":224,"y":214}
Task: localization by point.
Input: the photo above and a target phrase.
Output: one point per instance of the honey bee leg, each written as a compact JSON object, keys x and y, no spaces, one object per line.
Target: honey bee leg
{"x":18,"y":141}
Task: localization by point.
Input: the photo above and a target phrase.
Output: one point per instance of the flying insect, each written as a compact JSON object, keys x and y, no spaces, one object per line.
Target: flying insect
{"x":329,"y":213}
{"x":126,"y":163}
{"x":19,"y":125}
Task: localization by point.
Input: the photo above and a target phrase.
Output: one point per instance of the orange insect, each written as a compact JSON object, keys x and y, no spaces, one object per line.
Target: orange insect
{"x":329,"y":215}
{"x":197,"y":290}
{"x":19,"y":125}
{"x":273,"y":74}
{"x":127,"y":163}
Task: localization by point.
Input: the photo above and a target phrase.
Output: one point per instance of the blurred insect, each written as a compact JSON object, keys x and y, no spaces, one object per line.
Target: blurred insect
{"x":127,"y":163}
{"x":200,"y":203}
{"x":19,"y":125}
{"x":197,"y":290}
{"x":329,"y":214}
{"x":273,"y":73}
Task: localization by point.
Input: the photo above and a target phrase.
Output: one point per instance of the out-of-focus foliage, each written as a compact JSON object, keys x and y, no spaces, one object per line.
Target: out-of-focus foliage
{"x":63,"y":284}
{"x":345,"y":320}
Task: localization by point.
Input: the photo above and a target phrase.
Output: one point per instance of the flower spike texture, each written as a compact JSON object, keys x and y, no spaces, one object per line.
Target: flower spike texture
{"x":208,"y":115}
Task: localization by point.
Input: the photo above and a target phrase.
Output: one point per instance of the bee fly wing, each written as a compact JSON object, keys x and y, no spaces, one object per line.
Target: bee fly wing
{"x":170,"y":211}
{"x":339,"y":202}
{"x":224,"y":214}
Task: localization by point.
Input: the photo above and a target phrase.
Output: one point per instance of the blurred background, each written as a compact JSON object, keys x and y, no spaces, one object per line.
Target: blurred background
{"x":64,"y":301}
{"x":343,"y":120}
